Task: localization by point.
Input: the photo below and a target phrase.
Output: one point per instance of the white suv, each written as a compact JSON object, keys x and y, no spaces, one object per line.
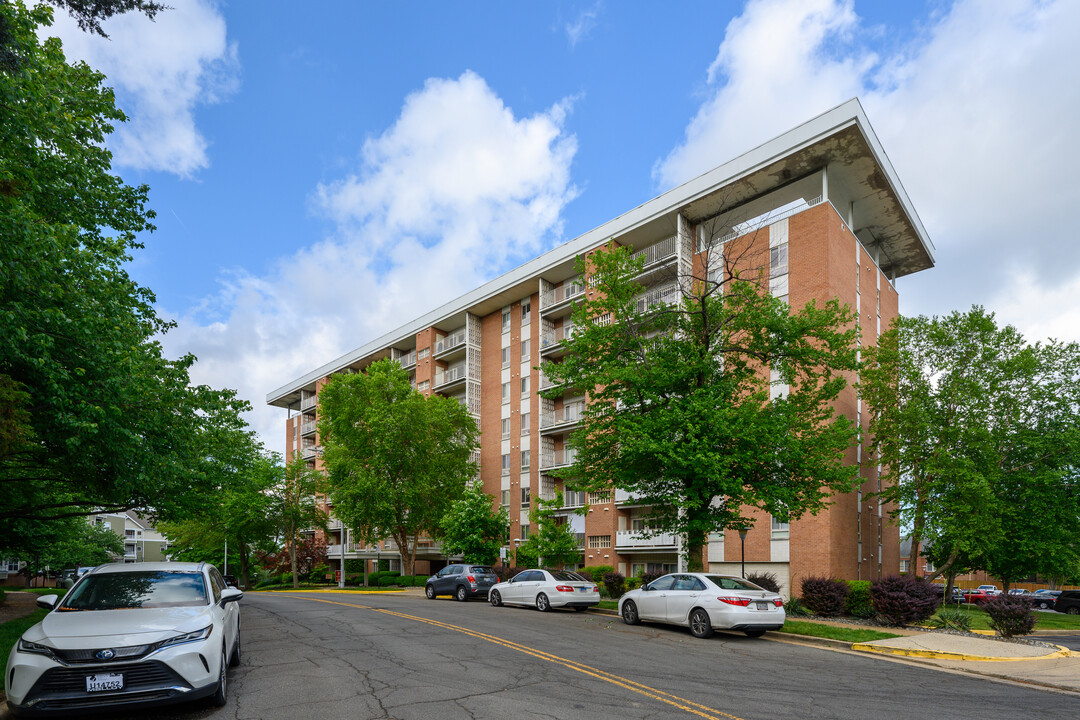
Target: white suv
{"x":128,"y":636}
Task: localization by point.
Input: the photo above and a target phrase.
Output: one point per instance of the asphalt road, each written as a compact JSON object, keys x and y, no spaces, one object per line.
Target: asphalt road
{"x":356,"y":656}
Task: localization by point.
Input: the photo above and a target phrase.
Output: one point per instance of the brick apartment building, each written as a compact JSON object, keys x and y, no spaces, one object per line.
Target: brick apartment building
{"x":823,"y":204}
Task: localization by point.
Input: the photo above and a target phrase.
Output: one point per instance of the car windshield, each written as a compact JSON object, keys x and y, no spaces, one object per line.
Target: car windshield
{"x":566,"y":576}
{"x":143,"y":589}
{"x":731,"y":583}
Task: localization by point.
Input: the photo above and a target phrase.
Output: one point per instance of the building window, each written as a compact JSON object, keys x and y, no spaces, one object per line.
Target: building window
{"x":524,"y":531}
{"x":599,"y":541}
{"x":526,"y":311}
{"x":524,"y":459}
{"x":506,"y":357}
{"x":599,"y":498}
{"x":525,"y":497}
{"x":506,"y":464}
{"x":506,"y":392}
{"x":778,"y":260}
{"x":928,"y":567}
{"x":423,"y":353}
{"x":506,"y":320}
{"x":780,"y":526}
{"x":505,"y":497}
{"x":423,"y":385}
{"x":506,"y":428}
{"x":524,"y":423}
{"x":525,"y":386}
{"x":526,"y":349}
{"x":903,"y":566}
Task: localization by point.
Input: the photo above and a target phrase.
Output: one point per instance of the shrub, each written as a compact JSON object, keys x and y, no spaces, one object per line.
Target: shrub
{"x":388,"y":580}
{"x":420,"y":580}
{"x":765,"y":580}
{"x":648,"y":577}
{"x":952,"y":618}
{"x":596,"y":572}
{"x":615,"y":584}
{"x":824,"y":596}
{"x":1010,"y":615}
{"x":858,"y":600}
{"x":633,"y":583}
{"x":795,"y":608}
{"x":354,"y":566}
{"x":904,"y":600}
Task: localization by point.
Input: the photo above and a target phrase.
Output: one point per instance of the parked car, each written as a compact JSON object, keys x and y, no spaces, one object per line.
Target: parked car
{"x":976,"y":597}
{"x":1019,"y":592}
{"x":990,"y":590}
{"x":69,"y":577}
{"x":463,"y":581}
{"x":546,"y":589}
{"x":230,"y":581}
{"x":704,"y":602}
{"x":1068,"y":602}
{"x":131,"y":636}
{"x":1044,"y":599}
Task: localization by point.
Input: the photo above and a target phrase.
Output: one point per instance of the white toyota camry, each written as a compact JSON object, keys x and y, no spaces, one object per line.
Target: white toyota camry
{"x":702,"y":602}
{"x":128,"y":636}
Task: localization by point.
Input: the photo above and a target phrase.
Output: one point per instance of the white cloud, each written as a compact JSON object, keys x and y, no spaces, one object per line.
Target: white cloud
{"x":583,"y":24}
{"x":976,"y":112}
{"x":162,"y":70}
{"x":456,"y":191}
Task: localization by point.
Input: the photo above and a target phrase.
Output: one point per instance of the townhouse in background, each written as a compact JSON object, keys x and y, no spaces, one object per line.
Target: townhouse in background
{"x":826,"y":212}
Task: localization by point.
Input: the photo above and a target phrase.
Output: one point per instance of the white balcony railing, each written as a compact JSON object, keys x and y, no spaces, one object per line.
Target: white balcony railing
{"x":623,"y":497}
{"x":658,"y":252}
{"x":660,"y":295}
{"x":309,"y":452}
{"x":408,"y":359}
{"x":450,"y":342}
{"x":566,"y":291}
{"x":308,"y":403}
{"x":558,"y":458}
{"x":571,"y":413}
{"x":552,"y":338}
{"x":637,"y":539}
{"x":451,"y":374}
{"x":547,"y":383}
{"x":308,"y":426}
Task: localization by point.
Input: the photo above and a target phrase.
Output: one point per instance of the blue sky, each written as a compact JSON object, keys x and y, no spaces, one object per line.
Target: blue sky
{"x":323,"y":176}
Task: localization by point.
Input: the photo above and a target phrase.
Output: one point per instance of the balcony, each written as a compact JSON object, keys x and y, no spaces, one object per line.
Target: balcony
{"x":638,"y":540}
{"x":551,"y":340}
{"x":665,"y":294}
{"x":623,"y":497}
{"x":308,"y":403}
{"x":557,"y":458}
{"x":449,"y":376}
{"x":561,"y":297}
{"x":451,"y":342}
{"x":309,"y":451}
{"x":563,"y":418}
{"x":658,"y":253}
{"x":408,"y":359}
{"x":307,"y":427}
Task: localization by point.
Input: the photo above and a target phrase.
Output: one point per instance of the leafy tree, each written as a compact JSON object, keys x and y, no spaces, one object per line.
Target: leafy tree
{"x":296,"y":506}
{"x":89,"y":14}
{"x":550,"y":542}
{"x":93,"y":417}
{"x":473,"y":528}
{"x":978,"y":434}
{"x":681,"y":409}
{"x":71,"y":542}
{"x":396,"y":461}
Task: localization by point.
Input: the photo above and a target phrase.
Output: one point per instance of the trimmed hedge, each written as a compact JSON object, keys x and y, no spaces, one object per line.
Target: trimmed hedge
{"x":858,"y":602}
{"x":904,"y":600}
{"x":825,"y":596}
{"x":1010,"y":615}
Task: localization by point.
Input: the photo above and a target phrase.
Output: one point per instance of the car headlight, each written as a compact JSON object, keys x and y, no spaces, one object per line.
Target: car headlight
{"x":186,"y":638}
{"x":32,"y":647}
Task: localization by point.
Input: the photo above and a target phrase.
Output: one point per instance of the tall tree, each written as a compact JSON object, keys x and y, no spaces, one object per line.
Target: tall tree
{"x":473,"y":528}
{"x":550,"y":543}
{"x":59,"y":544}
{"x":681,"y":411}
{"x":978,"y":434}
{"x":396,"y":460}
{"x":296,"y":507}
{"x":93,"y":417}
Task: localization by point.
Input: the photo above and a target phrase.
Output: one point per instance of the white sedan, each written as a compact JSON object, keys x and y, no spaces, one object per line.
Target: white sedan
{"x":704,"y":602}
{"x":128,"y":636}
{"x":546,"y":589}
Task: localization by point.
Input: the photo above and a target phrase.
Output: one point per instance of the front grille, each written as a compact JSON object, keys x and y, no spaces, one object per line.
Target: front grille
{"x":88,"y":701}
{"x":87,"y":656}
{"x":138,"y":676}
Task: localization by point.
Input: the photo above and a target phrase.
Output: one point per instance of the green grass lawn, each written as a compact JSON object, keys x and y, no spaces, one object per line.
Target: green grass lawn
{"x":608,"y":604}
{"x":802,"y":627}
{"x":1044,"y":620}
{"x":10,"y":632}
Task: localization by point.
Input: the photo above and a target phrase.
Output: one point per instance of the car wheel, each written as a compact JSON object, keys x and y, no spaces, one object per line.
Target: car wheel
{"x":462,"y":594}
{"x":495,"y":599}
{"x":700,"y":625}
{"x":1043,"y":606}
{"x":754,"y":633}
{"x":430,"y":592}
{"x":234,"y":661}
{"x":542,"y":603}
{"x":1073,"y":610}
{"x":219,"y":694}
{"x":629,"y":613}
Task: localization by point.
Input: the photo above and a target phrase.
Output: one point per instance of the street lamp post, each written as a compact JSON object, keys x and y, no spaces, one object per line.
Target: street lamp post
{"x":742,"y":547}
{"x":341,"y":580}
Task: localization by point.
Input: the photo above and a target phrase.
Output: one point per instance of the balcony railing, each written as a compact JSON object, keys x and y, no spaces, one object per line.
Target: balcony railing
{"x":580,"y":537}
{"x":552,"y":338}
{"x":450,"y":342}
{"x":571,"y":413}
{"x":451,"y":374}
{"x":558,"y":458}
{"x":309,"y":452}
{"x":623,"y":497}
{"x":408,"y":359}
{"x":308,"y":426}
{"x":638,"y":539}
{"x":658,"y":252}
{"x":565,"y":292}
{"x":660,"y":295}
{"x":309,"y":403}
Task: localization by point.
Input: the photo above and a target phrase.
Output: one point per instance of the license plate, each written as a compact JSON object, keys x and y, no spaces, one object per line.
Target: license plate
{"x":104,"y":681}
{"x":762,"y":605}
{"x":584,"y":589}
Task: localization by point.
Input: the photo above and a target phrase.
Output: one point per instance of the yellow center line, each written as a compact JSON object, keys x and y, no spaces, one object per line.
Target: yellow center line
{"x":650,"y":692}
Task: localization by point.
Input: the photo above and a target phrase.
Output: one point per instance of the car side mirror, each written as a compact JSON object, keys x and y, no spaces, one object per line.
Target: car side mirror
{"x":647,"y":587}
{"x":47,"y":602}
{"x":229,"y":595}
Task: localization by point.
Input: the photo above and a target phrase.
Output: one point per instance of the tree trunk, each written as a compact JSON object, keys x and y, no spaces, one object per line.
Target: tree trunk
{"x":695,"y":547}
{"x":407,"y":554}
{"x":947,"y":567}
{"x":291,"y":545}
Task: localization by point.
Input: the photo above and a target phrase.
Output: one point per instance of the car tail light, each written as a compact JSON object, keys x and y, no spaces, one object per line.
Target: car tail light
{"x":564,"y":588}
{"x":471,"y":579}
{"x":778,"y":602}
{"x":734,"y":600}
{"x":596,"y":588}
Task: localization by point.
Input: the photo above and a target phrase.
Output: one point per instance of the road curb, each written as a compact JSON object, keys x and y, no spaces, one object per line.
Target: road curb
{"x":936,"y":655}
